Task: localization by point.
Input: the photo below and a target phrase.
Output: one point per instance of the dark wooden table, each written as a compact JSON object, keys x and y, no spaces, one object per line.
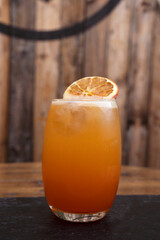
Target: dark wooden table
{"x":25,"y":180}
{"x":24,"y":213}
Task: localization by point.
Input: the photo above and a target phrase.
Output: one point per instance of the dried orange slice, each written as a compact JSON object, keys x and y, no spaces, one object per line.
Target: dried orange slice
{"x":92,"y":87}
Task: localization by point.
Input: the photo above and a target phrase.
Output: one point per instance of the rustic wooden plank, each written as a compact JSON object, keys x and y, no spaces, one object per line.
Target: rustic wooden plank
{"x":4,"y":78}
{"x":21,"y":85}
{"x":136,"y":144}
{"x":96,"y":42}
{"x":117,"y":57}
{"x":72,"y":48}
{"x":47,"y":69}
{"x":25,"y":180}
{"x":107,"y":50}
{"x":154,"y":110}
{"x":139,"y":84}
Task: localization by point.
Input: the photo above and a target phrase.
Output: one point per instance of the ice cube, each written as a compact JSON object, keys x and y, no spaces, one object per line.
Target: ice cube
{"x":69,"y":118}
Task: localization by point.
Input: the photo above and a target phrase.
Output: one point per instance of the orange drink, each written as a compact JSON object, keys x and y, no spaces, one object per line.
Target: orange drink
{"x":82,"y":157}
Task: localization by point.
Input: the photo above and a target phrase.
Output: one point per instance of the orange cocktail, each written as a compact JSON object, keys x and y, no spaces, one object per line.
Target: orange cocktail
{"x":82,"y":158}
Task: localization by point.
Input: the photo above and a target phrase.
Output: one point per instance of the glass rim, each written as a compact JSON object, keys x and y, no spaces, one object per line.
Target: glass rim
{"x":83,"y":100}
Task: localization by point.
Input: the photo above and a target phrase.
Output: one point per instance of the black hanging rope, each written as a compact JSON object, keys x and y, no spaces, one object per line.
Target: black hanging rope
{"x":60,"y":33}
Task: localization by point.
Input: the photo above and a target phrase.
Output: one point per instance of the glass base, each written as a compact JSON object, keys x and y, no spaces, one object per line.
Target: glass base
{"x":78,"y":217}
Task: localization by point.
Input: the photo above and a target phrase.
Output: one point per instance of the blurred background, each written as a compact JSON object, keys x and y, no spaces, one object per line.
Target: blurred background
{"x":118,"y":39}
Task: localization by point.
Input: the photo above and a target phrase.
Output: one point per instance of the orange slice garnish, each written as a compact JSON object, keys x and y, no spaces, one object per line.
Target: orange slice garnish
{"x":92,"y":87}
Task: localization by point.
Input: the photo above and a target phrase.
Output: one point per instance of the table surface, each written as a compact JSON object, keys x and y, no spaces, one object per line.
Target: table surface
{"x":130,"y":218}
{"x":25,"y":180}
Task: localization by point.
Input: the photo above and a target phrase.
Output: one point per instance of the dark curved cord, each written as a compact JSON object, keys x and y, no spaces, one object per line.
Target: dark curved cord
{"x":60,"y":33}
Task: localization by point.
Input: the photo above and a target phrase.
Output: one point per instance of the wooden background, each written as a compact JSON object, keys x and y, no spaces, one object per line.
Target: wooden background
{"x":125,"y":46}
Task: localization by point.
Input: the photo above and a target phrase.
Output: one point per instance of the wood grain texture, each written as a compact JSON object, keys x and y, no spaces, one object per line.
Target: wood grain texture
{"x":4,"y":79}
{"x":139,"y":85}
{"x":47,"y":70}
{"x":25,"y":180}
{"x":154,"y":110}
{"x":21,"y":179}
{"x":21,"y":85}
{"x":117,"y":57}
{"x":96,"y":42}
{"x":72,"y":48}
{"x":123,"y":46}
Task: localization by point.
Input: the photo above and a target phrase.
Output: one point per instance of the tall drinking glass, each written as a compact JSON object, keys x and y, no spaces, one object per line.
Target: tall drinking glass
{"x":81,"y":158}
